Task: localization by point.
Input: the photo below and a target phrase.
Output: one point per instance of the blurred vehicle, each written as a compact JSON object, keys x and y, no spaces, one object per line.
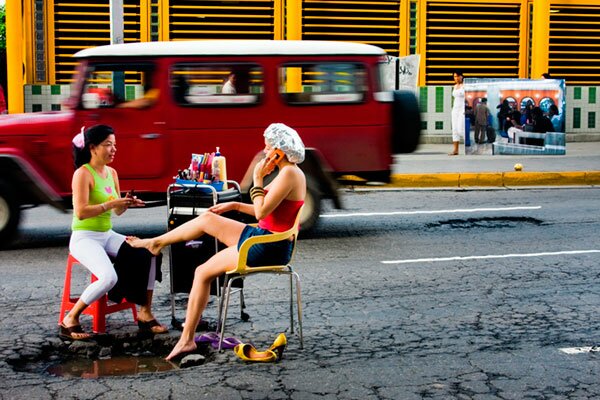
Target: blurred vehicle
{"x":165,"y":102}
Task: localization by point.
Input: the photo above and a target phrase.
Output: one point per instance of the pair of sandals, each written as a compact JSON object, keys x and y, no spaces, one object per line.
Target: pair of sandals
{"x":213,"y":338}
{"x":76,"y":332}
{"x":247,"y":352}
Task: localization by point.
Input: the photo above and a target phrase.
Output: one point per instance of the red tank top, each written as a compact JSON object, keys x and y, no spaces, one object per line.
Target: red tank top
{"x":283,"y":217}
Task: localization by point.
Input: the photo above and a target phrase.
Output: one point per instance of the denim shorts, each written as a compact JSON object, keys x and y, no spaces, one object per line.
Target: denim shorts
{"x":277,"y":253}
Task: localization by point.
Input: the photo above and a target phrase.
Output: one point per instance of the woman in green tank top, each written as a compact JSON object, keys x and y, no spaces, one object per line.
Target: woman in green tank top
{"x":96,"y":195}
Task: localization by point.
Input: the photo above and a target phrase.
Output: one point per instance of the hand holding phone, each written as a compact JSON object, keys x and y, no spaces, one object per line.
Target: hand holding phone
{"x":275,"y":156}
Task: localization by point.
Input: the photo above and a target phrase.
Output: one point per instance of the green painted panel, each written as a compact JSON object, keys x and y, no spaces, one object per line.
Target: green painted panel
{"x":423,"y":96}
{"x":576,"y":117}
{"x":439,"y":99}
{"x":129,"y":93}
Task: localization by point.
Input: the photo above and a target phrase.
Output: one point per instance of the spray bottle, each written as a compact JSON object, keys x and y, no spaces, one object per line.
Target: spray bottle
{"x":219,"y":168}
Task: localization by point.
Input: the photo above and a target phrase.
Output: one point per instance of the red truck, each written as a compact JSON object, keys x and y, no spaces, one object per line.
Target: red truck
{"x":166,"y":100}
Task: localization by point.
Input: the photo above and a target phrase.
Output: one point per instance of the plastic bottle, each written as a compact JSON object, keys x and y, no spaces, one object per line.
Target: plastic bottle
{"x":219,"y":168}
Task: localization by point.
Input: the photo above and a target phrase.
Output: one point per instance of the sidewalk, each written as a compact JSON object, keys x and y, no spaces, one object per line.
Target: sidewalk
{"x":430,"y":166}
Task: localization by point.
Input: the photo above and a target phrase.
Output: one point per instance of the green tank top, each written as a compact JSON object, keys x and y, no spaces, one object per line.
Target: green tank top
{"x":104,"y":190}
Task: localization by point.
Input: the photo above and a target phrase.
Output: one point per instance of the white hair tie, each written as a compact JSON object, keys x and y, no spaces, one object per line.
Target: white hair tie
{"x":79,"y":139}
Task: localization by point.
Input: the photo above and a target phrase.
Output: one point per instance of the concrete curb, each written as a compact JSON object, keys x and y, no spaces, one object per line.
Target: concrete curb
{"x":496,"y":179}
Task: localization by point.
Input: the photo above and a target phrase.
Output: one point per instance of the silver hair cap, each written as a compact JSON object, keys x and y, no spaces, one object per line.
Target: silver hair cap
{"x":281,"y":136}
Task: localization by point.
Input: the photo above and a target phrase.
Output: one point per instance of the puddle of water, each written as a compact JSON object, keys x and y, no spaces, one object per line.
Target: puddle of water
{"x":115,"y":366}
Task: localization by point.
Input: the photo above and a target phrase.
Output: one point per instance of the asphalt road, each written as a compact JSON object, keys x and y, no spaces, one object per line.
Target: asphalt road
{"x":407,"y":294}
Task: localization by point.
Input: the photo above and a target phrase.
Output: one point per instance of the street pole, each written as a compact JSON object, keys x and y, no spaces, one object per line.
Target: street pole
{"x":14,"y":56}
{"x":116,"y":37}
{"x":116,"y":22}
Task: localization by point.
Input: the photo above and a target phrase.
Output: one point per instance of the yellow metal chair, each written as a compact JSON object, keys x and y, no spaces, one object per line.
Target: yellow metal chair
{"x":242,"y":271}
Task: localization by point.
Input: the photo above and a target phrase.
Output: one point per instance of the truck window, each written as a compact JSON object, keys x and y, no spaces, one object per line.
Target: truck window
{"x":323,"y":82}
{"x":211,"y":84}
{"x":116,"y":85}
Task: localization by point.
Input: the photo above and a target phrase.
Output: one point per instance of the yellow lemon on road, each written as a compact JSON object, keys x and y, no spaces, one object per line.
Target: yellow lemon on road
{"x":518,"y":167}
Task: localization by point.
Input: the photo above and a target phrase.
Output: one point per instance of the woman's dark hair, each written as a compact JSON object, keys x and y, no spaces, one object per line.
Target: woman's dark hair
{"x":92,"y":136}
{"x":537,"y":113}
{"x":459,"y":73}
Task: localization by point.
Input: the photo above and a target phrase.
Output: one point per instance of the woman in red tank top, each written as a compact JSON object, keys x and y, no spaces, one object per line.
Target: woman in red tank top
{"x":275,"y":207}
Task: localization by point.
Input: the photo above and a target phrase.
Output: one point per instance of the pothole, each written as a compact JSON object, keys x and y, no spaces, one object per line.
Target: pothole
{"x":115,"y":366}
{"x":104,"y":356}
{"x":486,"y":222}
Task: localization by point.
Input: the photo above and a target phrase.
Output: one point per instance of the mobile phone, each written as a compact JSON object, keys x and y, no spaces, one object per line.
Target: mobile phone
{"x":275,"y":156}
{"x":131,"y":194}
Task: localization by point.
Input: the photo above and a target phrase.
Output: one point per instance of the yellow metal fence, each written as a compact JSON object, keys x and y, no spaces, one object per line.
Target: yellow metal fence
{"x":483,"y":38}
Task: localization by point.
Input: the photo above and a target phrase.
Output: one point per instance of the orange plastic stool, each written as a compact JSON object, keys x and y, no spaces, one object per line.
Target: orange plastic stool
{"x":98,"y":309}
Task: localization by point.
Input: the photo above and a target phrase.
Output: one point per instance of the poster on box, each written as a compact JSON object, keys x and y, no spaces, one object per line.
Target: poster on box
{"x":509,"y":103}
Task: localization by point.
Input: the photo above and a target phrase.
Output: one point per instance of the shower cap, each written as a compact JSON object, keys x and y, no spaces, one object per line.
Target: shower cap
{"x":281,"y":136}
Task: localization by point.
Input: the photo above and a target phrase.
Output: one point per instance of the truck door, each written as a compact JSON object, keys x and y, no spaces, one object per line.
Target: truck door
{"x":123,"y":96}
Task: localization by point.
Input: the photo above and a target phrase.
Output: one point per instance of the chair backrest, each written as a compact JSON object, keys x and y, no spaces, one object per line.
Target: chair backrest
{"x":242,"y":268}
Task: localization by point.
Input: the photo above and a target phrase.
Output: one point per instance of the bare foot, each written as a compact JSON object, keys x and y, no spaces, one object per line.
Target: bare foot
{"x":150,"y":244}
{"x":69,"y":322}
{"x":452,"y":154}
{"x":181,"y":348}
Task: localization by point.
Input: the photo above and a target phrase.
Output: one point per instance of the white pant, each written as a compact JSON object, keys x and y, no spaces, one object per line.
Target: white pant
{"x":458,"y":123}
{"x":92,"y":250}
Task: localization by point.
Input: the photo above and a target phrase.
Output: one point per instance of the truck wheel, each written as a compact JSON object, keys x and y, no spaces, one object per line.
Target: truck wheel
{"x":10,"y":213}
{"x":406,"y":120}
{"x":312,"y":206}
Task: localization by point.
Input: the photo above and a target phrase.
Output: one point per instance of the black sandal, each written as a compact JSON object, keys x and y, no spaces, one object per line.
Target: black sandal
{"x":74,"y":332}
{"x":152,"y":326}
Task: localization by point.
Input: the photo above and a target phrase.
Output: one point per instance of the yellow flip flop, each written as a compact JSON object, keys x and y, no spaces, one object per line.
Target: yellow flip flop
{"x":248,"y":353}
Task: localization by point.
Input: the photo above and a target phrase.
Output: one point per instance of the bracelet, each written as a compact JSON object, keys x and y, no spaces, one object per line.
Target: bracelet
{"x":103,"y":205}
{"x":256,"y":192}
{"x":252,"y":197}
{"x":255,"y":195}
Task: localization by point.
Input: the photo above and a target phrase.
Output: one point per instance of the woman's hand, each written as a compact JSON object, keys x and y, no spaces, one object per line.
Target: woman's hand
{"x":224,"y":207}
{"x":263,"y":168}
{"x":122,"y":203}
{"x":135,"y":201}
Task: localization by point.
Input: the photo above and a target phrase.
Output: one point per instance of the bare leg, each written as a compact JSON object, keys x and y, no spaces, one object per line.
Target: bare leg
{"x":145,"y":314}
{"x":226,"y":230}
{"x":72,"y":319}
{"x":454,"y":149}
{"x":218,"y":264}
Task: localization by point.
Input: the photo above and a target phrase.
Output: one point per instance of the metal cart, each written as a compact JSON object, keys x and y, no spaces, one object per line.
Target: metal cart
{"x":186,"y":201}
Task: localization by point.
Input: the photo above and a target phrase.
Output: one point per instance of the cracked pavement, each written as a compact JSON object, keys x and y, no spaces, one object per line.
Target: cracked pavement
{"x":466,"y":329}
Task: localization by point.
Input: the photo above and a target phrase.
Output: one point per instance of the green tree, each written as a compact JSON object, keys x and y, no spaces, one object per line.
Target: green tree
{"x":2,"y":29}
